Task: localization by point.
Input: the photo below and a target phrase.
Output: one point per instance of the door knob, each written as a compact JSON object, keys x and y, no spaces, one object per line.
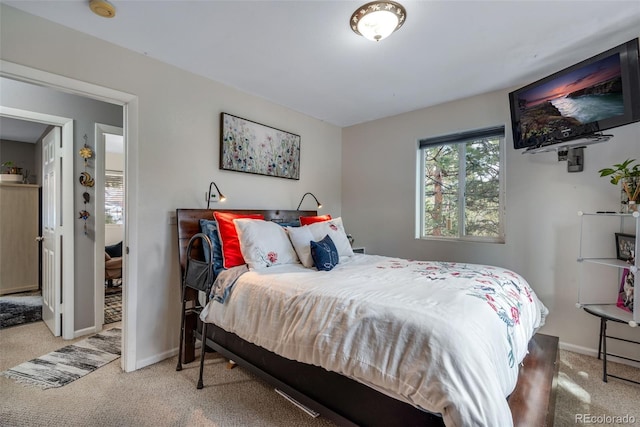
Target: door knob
{"x":39,"y":239}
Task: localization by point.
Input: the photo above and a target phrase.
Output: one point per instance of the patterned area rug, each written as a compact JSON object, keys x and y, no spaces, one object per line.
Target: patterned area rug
{"x":112,"y":306}
{"x":69,"y":363}
{"x":17,"y":310}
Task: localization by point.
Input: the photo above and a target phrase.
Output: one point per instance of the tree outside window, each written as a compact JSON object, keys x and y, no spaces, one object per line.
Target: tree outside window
{"x":461,"y":195}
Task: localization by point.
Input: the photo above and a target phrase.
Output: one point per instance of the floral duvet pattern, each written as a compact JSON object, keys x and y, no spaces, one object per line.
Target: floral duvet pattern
{"x":445,"y":337}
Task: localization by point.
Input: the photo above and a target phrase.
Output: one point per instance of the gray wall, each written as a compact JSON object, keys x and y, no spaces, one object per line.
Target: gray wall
{"x":365,"y":173}
{"x":85,"y":112}
{"x":176,"y":155}
{"x":23,"y":155}
{"x":379,"y":189}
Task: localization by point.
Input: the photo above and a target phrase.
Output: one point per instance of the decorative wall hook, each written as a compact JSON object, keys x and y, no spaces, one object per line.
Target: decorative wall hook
{"x":85,"y":152}
{"x":86,"y":181}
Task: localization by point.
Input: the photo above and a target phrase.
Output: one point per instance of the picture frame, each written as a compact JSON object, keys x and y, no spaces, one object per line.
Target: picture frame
{"x":251,"y":147}
{"x":625,"y":246}
{"x":626,"y":291}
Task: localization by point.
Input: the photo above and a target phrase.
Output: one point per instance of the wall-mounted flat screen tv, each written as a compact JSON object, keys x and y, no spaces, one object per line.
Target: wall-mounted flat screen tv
{"x":599,"y":93}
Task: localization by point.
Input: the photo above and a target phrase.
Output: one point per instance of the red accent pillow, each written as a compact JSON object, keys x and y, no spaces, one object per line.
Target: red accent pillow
{"x":306,"y":220}
{"x":231,"y":254}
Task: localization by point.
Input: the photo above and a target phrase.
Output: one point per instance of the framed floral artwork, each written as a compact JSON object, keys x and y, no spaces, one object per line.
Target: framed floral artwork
{"x":247,"y":146}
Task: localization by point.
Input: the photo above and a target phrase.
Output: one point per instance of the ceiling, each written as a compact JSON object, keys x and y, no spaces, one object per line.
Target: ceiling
{"x":20,"y":130}
{"x":304,"y":56}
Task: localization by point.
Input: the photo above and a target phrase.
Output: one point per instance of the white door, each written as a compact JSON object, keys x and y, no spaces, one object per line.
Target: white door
{"x":51,"y":232}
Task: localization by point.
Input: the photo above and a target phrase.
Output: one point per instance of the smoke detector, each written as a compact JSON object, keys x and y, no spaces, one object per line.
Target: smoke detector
{"x":102,"y":8}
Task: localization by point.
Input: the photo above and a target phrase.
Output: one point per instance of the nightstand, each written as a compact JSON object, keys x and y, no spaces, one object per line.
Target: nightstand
{"x":358,"y":250}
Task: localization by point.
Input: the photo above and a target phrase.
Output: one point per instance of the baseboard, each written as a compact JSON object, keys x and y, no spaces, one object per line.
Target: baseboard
{"x":156,"y":358}
{"x":593,"y":352}
{"x":85,"y":331}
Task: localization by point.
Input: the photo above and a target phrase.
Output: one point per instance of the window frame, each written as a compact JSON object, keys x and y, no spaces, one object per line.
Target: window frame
{"x":461,"y":139}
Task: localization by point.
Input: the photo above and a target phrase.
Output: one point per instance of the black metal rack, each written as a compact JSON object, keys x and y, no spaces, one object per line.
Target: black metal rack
{"x":198,"y":275}
{"x":601,"y":311}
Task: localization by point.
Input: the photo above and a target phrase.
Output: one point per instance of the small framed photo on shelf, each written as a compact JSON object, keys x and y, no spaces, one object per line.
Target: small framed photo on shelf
{"x":625,"y":246}
{"x":626,"y":291}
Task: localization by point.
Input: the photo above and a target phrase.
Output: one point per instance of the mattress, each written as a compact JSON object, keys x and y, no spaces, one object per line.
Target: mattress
{"x":444,"y":337}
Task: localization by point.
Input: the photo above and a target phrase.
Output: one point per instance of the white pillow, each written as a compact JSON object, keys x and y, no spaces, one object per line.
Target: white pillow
{"x":264,"y":243}
{"x":301,"y":238}
{"x":335,"y":230}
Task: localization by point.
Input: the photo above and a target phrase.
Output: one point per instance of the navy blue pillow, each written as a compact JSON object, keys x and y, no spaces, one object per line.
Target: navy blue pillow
{"x":210,"y":229}
{"x":114,"y":251}
{"x":324,"y":254}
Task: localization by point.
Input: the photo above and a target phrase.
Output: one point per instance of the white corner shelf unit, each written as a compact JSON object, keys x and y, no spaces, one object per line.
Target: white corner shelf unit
{"x":608,"y":311}
{"x":621,"y":315}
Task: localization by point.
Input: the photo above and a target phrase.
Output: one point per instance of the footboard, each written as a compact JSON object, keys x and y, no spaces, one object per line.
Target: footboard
{"x":332,"y":395}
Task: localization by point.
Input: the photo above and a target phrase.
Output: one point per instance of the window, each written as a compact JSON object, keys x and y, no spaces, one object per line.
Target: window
{"x":461,"y":195}
{"x":113,"y":197}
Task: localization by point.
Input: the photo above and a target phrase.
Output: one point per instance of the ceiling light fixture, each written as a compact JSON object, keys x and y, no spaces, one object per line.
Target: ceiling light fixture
{"x":378,"y":19}
{"x":102,"y":8}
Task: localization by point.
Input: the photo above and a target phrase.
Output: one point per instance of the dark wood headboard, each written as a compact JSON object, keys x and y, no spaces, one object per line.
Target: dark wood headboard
{"x":188,"y":221}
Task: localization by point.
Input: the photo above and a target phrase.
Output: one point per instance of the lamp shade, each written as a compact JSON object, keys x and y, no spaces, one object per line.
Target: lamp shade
{"x":377,"y":20}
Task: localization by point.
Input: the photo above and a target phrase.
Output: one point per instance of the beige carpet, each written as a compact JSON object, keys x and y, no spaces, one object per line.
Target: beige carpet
{"x":159,"y":396}
{"x":582,"y":391}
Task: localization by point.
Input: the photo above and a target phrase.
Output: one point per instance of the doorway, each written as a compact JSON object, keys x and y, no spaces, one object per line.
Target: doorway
{"x":110,"y":223}
{"x":45,"y":171}
{"x":129,"y":104}
{"x":59,"y":221}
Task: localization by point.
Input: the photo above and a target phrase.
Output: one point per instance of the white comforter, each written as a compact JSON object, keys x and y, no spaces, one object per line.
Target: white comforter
{"x":445,"y":337}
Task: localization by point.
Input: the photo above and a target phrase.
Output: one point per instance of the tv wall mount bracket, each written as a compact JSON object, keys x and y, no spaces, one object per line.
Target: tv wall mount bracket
{"x":570,"y":151}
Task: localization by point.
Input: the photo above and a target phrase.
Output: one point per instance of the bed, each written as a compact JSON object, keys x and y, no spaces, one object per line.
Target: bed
{"x":342,"y":348}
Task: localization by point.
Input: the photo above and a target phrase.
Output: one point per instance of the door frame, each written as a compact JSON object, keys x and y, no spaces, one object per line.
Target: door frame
{"x":129,"y":105}
{"x":100,"y":179}
{"x":67,"y":208}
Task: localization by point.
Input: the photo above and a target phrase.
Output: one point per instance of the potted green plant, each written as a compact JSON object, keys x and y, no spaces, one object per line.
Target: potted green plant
{"x":629,"y":178}
{"x":11,"y":168}
{"x":8,"y":165}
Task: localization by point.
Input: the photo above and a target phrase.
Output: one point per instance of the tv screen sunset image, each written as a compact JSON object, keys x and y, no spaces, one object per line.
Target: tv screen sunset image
{"x":586,"y":95}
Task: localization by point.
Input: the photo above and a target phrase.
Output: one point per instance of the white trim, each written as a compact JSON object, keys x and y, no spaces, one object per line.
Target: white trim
{"x":157,"y":358}
{"x":129,"y":103}
{"x":68,"y":210}
{"x":63,"y":84}
{"x":68,"y":244}
{"x":86,"y":331}
{"x":419,"y":208}
{"x":130,"y":258}
{"x":593,"y":352}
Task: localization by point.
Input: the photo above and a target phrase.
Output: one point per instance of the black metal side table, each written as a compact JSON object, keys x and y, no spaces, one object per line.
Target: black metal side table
{"x":607,"y":312}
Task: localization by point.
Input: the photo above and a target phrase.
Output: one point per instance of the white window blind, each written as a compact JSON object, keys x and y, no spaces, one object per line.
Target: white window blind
{"x":113,"y":197}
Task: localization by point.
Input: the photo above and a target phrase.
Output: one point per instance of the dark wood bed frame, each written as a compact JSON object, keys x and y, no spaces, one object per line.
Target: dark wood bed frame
{"x":340,"y":399}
